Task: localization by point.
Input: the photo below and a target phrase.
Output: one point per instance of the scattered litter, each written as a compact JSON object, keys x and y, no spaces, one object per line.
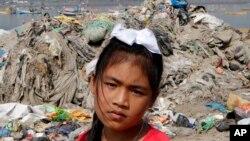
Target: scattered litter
{"x":234,"y":101}
{"x":217,"y":106}
{"x":208,"y":123}
{"x":211,"y":21}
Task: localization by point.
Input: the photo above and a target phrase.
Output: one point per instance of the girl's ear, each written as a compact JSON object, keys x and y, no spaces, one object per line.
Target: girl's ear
{"x":92,"y":84}
{"x":154,"y":98}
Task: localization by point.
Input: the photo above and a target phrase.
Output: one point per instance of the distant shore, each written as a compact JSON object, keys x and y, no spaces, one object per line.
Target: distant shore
{"x":244,"y":29}
{"x":237,"y":15}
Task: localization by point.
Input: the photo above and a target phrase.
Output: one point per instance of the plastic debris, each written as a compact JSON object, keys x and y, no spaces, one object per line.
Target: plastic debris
{"x":60,"y":115}
{"x":211,"y":21}
{"x":242,"y":113}
{"x":245,"y":121}
{"x":63,"y":129}
{"x":208,"y":123}
{"x":1,"y":52}
{"x":97,"y":30}
{"x":224,"y":125}
{"x":182,"y":120}
{"x":2,"y":64}
{"x":79,"y":115}
{"x":234,"y":101}
{"x":8,"y":139}
{"x":2,"y":32}
{"x":4,"y":132}
{"x":90,"y":67}
{"x":217,"y":106}
{"x":179,"y":3}
{"x":67,"y":19}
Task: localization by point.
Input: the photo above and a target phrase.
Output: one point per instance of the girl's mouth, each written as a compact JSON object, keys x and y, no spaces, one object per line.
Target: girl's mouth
{"x":116,"y":115}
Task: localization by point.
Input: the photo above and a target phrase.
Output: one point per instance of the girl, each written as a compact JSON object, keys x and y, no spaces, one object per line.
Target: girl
{"x":125,"y":84}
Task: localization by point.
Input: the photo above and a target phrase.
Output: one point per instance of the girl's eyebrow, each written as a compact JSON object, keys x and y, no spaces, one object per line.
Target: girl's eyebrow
{"x":113,"y":79}
{"x":134,"y":86}
{"x":139,"y":87}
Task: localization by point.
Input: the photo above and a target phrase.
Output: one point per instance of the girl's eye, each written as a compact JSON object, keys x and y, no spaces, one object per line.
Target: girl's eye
{"x":137,"y":92}
{"x":110,"y":85}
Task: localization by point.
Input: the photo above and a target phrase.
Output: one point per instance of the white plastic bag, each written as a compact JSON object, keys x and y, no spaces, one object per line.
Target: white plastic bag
{"x":211,"y":21}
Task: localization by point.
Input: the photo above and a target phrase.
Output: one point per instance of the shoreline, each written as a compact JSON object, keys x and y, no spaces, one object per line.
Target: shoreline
{"x":244,"y":29}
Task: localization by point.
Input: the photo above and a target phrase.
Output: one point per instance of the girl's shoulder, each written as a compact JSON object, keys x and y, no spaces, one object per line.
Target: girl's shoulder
{"x":82,"y":136}
{"x":155,"y":135}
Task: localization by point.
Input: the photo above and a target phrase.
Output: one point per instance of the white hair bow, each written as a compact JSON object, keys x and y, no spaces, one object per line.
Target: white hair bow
{"x":130,"y":36}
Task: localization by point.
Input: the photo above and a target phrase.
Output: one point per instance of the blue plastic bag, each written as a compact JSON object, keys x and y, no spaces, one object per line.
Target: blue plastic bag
{"x":1,"y":52}
{"x":4,"y":132}
{"x":217,"y":106}
{"x":179,"y":3}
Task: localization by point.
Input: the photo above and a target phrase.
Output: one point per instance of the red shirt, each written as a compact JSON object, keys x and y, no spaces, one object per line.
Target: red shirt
{"x":152,"y":135}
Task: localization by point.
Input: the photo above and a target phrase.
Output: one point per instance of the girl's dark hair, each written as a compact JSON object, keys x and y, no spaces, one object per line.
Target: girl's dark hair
{"x":117,"y":52}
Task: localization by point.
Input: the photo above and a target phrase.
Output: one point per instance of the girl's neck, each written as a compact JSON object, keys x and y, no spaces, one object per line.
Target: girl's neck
{"x":134,"y":133}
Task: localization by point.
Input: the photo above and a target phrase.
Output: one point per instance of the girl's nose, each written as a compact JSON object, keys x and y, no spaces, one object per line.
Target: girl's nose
{"x":121,"y":99}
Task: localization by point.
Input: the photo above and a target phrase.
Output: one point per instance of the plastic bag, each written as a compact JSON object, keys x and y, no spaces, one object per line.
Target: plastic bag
{"x":1,"y":52}
{"x":96,"y":31}
{"x":61,"y":115}
{"x":217,"y":106}
{"x":67,"y":19}
{"x":208,"y":124}
{"x":4,"y":132}
{"x":245,"y":121}
{"x":234,"y":101}
{"x":211,"y":21}
{"x":54,"y":47}
{"x":179,"y":3}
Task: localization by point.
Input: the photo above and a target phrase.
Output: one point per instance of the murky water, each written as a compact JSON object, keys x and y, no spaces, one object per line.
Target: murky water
{"x":220,"y":10}
{"x":12,"y":21}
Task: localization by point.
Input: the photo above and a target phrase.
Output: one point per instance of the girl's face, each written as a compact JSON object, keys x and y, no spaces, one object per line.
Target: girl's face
{"x":123,"y":96}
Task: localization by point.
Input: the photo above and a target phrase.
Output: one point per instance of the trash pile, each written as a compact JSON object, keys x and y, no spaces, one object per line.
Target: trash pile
{"x":42,"y":122}
{"x":205,"y":60}
{"x":46,"y":66}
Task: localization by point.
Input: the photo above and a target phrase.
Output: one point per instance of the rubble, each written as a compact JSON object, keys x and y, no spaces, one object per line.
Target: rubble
{"x":205,"y":60}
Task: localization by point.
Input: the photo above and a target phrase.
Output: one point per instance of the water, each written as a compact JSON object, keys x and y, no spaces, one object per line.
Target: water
{"x":11,"y":21}
{"x":218,"y":9}
{"x":237,"y":21}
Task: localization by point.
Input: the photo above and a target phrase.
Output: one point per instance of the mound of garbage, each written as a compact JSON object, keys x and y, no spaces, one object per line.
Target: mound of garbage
{"x":206,"y":61}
